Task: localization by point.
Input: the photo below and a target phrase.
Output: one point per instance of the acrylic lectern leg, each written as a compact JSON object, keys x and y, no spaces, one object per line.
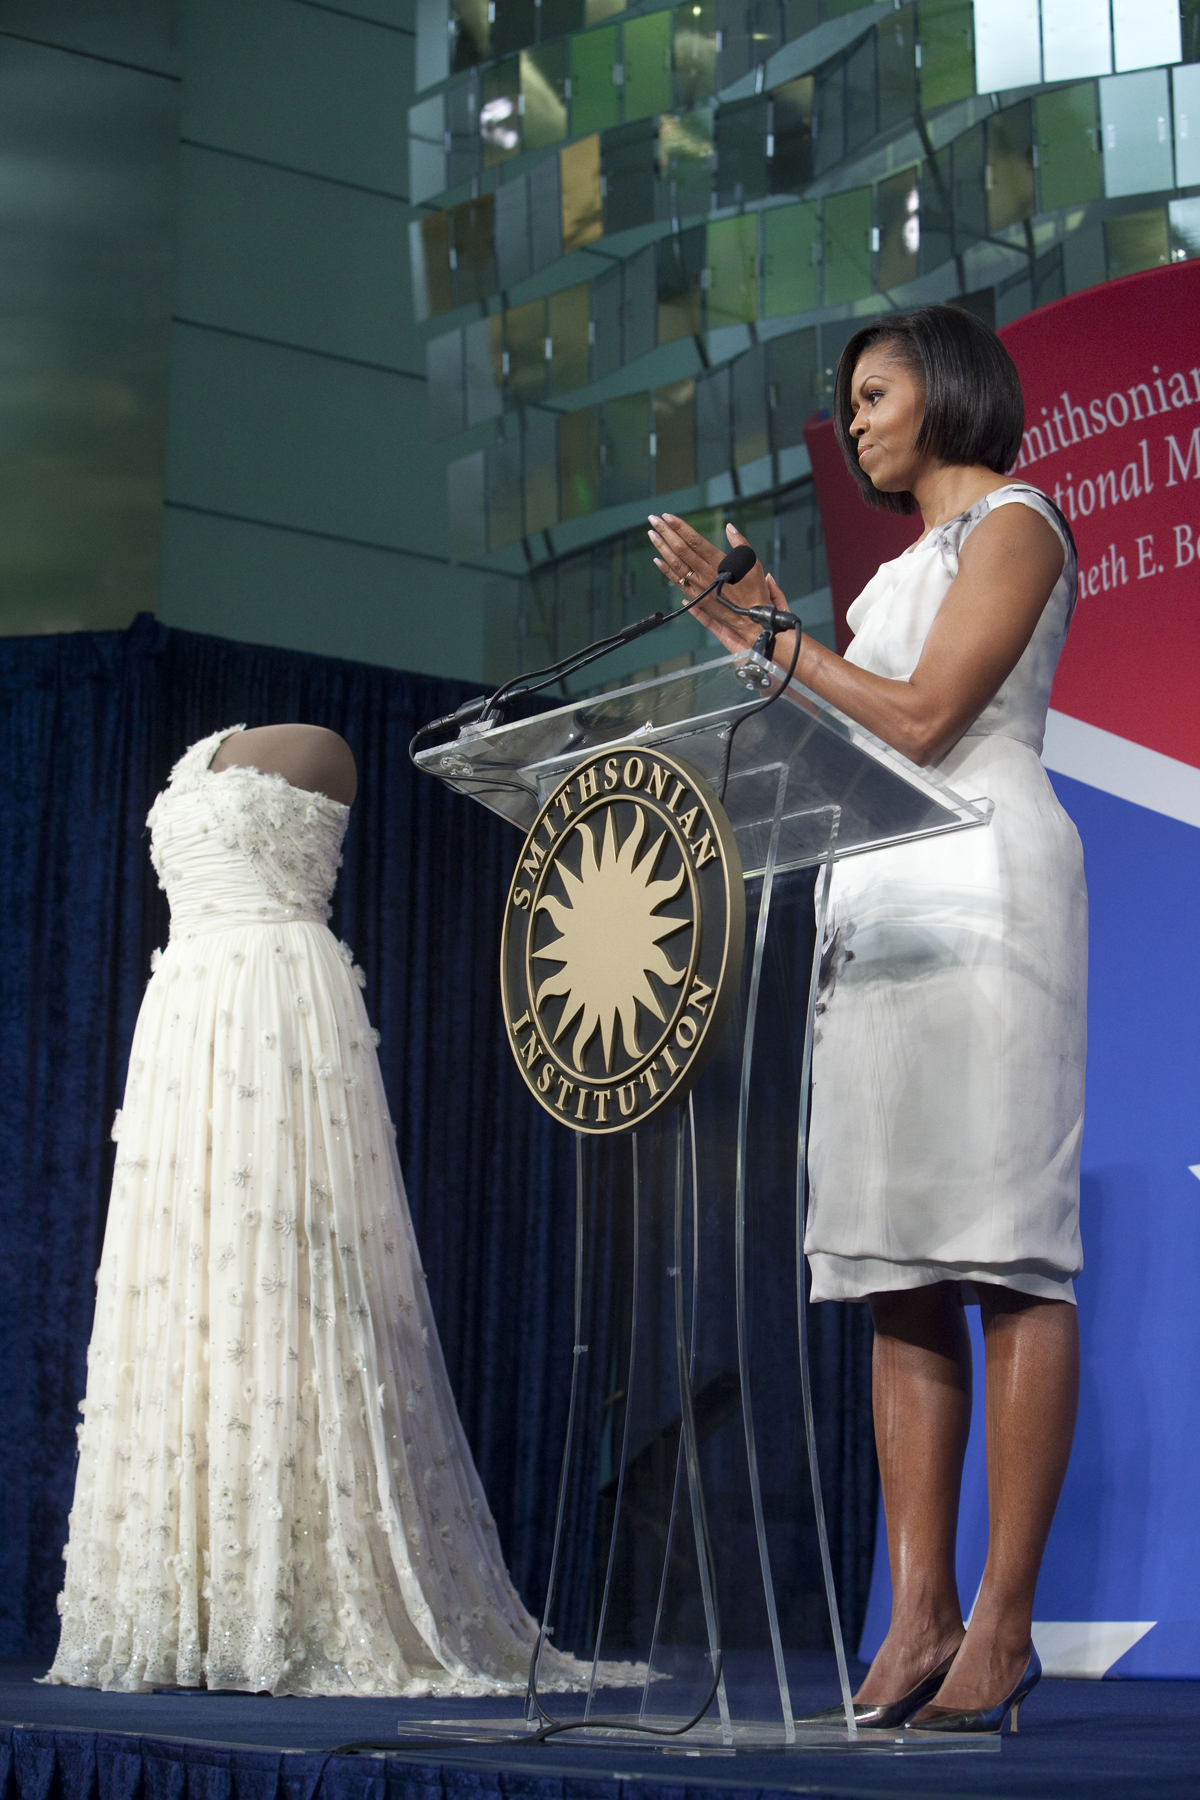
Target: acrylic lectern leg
{"x":821,"y":910}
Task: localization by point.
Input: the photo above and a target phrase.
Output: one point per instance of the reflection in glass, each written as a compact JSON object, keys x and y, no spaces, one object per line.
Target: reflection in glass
{"x":1136,"y":241}
{"x":595,"y":95}
{"x":789,"y":269}
{"x":947,"y":71}
{"x":695,"y":53}
{"x":483,"y":344}
{"x":1068,"y":136}
{"x":545,"y":212}
{"x":639,"y":304}
{"x":899,"y":213}
{"x":1009,"y":169}
{"x":741,"y":145}
{"x":543,"y":91}
{"x":596,"y":10}
{"x":847,"y":246}
{"x":433,"y":282}
{"x":791,"y":386}
{"x":675,"y":436}
{"x":646,"y":54}
{"x":969,"y":190}
{"x":625,"y":449}
{"x":685,"y":143}
{"x":472,"y":257}
{"x":732,"y":271}
{"x":499,"y":113}
{"x":680,"y":259}
{"x":1008,"y":45}
{"x":541,"y":472}
{"x":829,"y":116}
{"x":897,"y":46}
{"x":1135,"y":119}
{"x":1185,"y":228}
{"x":514,"y":23}
{"x":579,"y":461}
{"x":630,"y":156}
{"x":1076,"y":39}
{"x":714,"y":425}
{"x":751,"y":441}
{"x":511,"y":201}
{"x":937,"y":211}
{"x":791,"y":136}
{"x":567,"y":331}
{"x":861,"y":94}
{"x":525,"y":348}
{"x":471,"y":33}
{"x":604,"y":326}
{"x":582,"y":213}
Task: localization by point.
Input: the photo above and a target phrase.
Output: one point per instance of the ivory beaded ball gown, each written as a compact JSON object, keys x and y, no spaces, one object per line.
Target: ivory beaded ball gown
{"x":274,"y":1490}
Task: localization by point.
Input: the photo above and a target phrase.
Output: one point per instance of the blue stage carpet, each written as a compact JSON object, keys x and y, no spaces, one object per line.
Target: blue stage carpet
{"x":1121,"y":1739}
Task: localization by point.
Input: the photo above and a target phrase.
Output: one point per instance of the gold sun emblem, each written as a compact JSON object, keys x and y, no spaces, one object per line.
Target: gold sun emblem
{"x":611,"y":938}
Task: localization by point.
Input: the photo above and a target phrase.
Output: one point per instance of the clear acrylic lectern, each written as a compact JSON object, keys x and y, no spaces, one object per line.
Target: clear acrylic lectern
{"x":690,"y":1471}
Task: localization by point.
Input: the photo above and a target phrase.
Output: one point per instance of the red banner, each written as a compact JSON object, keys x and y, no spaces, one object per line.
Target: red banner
{"x":1112,"y":405}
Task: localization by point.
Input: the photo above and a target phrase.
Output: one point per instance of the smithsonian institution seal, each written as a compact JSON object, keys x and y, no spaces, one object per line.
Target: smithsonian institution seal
{"x":622,"y":939}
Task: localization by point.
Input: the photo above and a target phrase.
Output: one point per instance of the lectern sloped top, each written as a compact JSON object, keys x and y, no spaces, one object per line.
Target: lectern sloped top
{"x":799,"y":756}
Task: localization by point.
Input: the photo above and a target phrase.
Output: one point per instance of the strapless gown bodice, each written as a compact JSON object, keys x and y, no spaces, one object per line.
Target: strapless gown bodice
{"x":236,"y":847}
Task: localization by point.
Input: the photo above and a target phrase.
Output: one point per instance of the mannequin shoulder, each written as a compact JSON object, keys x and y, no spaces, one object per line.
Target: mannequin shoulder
{"x":307,"y":756}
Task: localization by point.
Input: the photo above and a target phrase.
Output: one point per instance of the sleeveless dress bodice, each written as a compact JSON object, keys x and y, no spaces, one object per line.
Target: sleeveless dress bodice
{"x":947,"y":1108}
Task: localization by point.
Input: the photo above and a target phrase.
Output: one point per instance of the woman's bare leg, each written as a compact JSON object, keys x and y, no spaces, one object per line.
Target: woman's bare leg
{"x":921,"y":1384}
{"x":1032,"y":1397}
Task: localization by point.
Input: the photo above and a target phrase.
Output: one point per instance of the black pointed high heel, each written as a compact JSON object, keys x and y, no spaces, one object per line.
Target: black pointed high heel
{"x":880,"y":1717}
{"x":985,"y":1718}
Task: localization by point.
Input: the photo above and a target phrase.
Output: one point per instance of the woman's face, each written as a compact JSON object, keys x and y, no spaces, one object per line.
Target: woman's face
{"x":889,"y":404}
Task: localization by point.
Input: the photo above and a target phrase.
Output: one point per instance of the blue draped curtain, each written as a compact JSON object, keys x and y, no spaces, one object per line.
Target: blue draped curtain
{"x":92,"y":723}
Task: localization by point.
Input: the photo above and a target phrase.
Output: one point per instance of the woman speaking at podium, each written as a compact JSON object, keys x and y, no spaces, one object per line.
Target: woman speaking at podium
{"x":948,"y":1077}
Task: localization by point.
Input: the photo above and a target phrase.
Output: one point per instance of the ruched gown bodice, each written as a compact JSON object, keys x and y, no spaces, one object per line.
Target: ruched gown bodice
{"x":948,"y":1072}
{"x":274,"y":1489}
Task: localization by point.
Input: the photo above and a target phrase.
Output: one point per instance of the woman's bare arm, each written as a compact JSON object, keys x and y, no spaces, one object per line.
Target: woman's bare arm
{"x":308,"y":756}
{"x":1007,"y":571}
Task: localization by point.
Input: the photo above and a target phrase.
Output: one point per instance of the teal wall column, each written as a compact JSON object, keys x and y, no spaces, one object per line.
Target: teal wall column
{"x":304,"y":504}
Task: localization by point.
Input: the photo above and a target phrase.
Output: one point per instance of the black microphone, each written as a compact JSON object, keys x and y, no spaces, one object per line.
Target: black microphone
{"x":736,"y":564}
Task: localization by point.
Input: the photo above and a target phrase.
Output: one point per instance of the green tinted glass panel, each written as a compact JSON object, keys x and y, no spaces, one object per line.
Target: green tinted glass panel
{"x":543,"y":95}
{"x":1068,"y":137}
{"x":695,"y":52}
{"x":896,"y":45}
{"x":541,"y":474}
{"x":595,"y":96}
{"x":500,"y":112}
{"x":675,"y":432}
{"x":685,"y":143}
{"x":733,"y":271}
{"x":847,"y":246}
{"x":947,"y":69}
{"x":626,"y":439}
{"x":789,"y":272}
{"x":579,"y":461}
{"x":646,"y":56}
{"x":1137,"y":241}
{"x":1009,"y":172}
{"x":567,"y":329}
{"x":899,"y":209}
{"x":525,"y":343}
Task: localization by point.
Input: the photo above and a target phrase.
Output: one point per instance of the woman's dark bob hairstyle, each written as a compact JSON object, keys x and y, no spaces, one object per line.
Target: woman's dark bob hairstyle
{"x":974,"y":412}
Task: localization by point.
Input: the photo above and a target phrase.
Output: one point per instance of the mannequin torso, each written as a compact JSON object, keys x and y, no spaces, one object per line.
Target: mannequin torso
{"x":308,"y":756}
